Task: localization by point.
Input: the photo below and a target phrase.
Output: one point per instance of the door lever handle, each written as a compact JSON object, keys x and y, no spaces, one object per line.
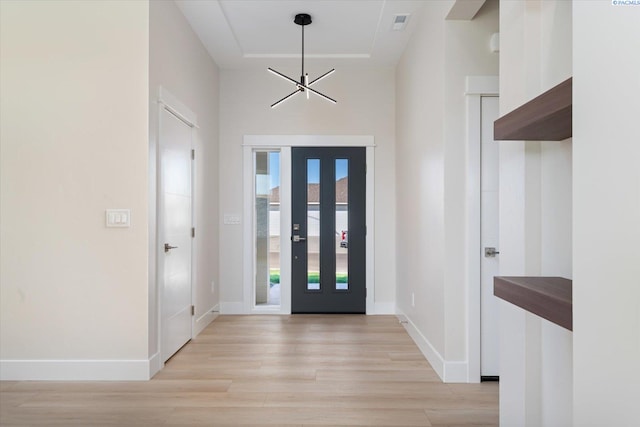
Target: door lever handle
{"x":168,"y":247}
{"x":295,"y":238}
{"x":490,"y":252}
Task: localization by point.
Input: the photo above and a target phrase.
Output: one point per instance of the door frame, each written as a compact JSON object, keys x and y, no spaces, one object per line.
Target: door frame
{"x":166,"y":101}
{"x":283,"y":143}
{"x":476,"y":88}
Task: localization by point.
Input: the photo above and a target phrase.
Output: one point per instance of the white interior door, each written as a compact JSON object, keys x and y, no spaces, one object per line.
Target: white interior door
{"x":175,"y":215}
{"x":489,"y":309}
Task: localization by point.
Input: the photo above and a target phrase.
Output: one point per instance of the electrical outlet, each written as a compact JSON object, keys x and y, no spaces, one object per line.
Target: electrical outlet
{"x":413,"y":299}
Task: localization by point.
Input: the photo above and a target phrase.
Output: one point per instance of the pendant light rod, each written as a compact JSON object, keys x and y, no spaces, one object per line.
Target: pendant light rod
{"x":302,"y":19}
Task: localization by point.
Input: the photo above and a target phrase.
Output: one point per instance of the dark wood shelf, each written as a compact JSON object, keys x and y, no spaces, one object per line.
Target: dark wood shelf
{"x":547,"y":117}
{"x":547,"y":297}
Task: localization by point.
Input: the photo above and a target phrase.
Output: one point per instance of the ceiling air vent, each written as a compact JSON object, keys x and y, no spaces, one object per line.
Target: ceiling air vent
{"x":400,"y":21}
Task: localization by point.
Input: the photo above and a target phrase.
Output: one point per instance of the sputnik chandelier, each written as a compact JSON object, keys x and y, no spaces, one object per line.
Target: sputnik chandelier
{"x":304,"y":85}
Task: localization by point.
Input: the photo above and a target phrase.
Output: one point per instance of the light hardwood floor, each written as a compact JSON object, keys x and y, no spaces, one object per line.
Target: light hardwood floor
{"x":299,"y":370}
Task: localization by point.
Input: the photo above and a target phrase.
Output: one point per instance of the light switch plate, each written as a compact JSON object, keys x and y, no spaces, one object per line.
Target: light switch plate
{"x":231,"y":219}
{"x":118,"y":218}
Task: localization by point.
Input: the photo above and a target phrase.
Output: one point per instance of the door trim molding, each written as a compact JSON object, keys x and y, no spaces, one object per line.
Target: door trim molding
{"x":177,"y":108}
{"x":476,"y":88}
{"x":284,"y":144}
{"x":370,"y":237}
{"x":308,"y":141}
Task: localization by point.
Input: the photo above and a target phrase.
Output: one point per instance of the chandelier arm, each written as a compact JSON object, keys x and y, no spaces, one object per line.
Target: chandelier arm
{"x":321,"y":77}
{"x":283,"y":76}
{"x":275,"y":104}
{"x":318,"y":93}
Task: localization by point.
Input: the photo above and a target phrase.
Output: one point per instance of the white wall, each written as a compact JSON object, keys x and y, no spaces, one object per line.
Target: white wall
{"x":606,"y":212}
{"x":535,"y":216}
{"x":466,"y":53}
{"x":431,"y":170}
{"x":420,"y":176}
{"x":365,"y":107}
{"x":74,"y":142}
{"x":180,"y":64}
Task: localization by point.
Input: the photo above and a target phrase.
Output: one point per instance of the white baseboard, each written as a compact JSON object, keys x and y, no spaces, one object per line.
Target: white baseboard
{"x":448,"y":371}
{"x":456,"y":372}
{"x":384,"y":308}
{"x":273,"y":310}
{"x":433,"y":357}
{"x":204,"y":320}
{"x":155,"y":364}
{"x":74,"y":370}
{"x":232,"y":308}
{"x":379,"y":308}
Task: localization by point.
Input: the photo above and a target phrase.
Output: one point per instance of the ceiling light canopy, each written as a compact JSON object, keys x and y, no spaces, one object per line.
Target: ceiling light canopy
{"x":304,"y":85}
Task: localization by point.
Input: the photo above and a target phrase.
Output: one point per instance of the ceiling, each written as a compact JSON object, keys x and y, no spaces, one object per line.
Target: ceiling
{"x":241,"y":34}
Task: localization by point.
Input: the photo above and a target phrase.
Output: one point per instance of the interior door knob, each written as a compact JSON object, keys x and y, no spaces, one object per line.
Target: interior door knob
{"x":168,"y":247}
{"x":490,"y":252}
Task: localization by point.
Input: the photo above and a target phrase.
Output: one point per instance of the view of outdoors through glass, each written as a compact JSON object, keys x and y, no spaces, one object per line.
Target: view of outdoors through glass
{"x":342,"y":224}
{"x":267,"y":223}
{"x":313,"y":224}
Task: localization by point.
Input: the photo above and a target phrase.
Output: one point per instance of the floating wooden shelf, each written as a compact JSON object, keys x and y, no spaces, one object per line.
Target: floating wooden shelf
{"x":547,"y":117}
{"x":547,"y":297}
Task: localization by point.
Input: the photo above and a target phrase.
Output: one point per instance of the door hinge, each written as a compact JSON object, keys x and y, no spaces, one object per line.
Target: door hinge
{"x":193,"y":232}
{"x":193,"y":310}
{"x":366,"y":168}
{"x":365,"y":292}
{"x":193,"y":154}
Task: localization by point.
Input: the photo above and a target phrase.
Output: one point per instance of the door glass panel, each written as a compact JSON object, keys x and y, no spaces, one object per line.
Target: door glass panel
{"x":267,"y":227}
{"x":342,"y":224}
{"x":313,"y":224}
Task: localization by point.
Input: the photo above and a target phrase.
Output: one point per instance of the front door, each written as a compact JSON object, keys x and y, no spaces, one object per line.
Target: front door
{"x":328,"y":230}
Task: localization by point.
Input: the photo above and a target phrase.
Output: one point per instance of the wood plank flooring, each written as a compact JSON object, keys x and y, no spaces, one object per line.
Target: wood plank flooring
{"x":302,"y":370}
